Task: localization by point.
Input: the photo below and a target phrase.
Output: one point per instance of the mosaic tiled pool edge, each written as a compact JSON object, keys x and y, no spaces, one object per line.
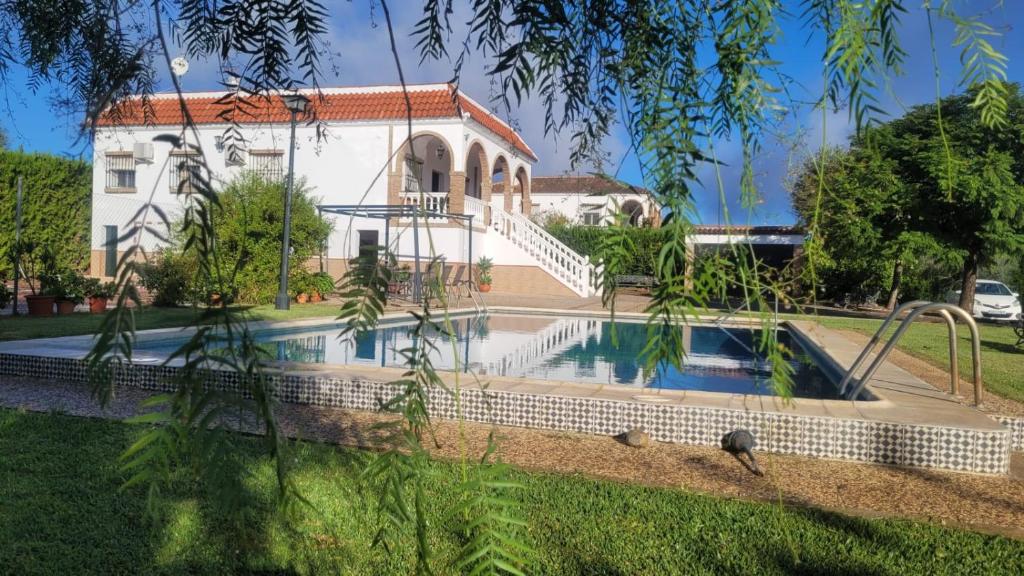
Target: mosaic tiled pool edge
{"x":924,"y":446}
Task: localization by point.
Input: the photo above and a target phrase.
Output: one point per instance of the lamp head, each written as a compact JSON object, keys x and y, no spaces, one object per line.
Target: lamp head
{"x":295,"y":103}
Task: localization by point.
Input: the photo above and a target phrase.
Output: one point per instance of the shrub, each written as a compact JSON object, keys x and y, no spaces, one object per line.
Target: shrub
{"x":56,"y":207}
{"x":93,"y":287}
{"x":300,"y":281}
{"x":169,"y":278}
{"x":586,"y":240}
{"x":323,"y":283}
{"x":249,"y":229}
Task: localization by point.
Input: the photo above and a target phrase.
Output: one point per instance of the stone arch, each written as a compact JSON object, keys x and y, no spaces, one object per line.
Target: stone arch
{"x":424,"y":170}
{"x":634,"y":212}
{"x":478,"y":172}
{"x":500,"y":180}
{"x":522,"y":187}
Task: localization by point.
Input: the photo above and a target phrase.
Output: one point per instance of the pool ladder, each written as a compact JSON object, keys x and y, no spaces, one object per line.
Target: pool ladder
{"x":917,"y":308}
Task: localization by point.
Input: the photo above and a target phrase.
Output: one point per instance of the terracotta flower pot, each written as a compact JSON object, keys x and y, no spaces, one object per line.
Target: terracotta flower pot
{"x":316,"y":297}
{"x":39,"y":305}
{"x":302,"y":297}
{"x":485,"y":287}
{"x":65,"y":307}
{"x":97,"y":304}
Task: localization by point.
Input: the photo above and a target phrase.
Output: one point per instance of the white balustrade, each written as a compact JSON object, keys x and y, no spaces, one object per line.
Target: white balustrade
{"x":572,"y":269}
{"x":432,"y":202}
{"x":478,"y":209}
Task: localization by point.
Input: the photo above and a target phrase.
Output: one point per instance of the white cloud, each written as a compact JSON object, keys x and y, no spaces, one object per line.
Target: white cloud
{"x":364,"y":57}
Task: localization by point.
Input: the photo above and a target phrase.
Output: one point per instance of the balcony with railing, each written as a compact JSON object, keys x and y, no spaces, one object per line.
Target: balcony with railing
{"x":433,"y":202}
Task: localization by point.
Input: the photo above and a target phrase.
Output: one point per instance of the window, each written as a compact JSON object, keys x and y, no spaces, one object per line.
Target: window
{"x":120,"y":172}
{"x":110,"y":250}
{"x":592,"y":218}
{"x":992,"y":289}
{"x":267,"y":164}
{"x":185,"y":172}
{"x":413,"y":169}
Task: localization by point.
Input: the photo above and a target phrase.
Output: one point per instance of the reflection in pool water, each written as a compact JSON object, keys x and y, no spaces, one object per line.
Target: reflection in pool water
{"x":567,"y":349}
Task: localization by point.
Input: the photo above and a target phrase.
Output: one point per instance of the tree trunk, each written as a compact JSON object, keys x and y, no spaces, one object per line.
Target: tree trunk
{"x":894,"y":288}
{"x":970,"y":278}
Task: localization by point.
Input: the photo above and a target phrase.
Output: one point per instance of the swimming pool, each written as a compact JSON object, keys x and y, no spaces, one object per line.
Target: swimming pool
{"x":574,"y":349}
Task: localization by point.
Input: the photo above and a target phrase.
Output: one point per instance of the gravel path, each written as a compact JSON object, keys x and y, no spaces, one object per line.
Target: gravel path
{"x":987,"y":503}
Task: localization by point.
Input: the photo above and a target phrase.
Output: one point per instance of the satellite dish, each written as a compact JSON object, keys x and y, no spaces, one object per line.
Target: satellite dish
{"x":179,"y":66}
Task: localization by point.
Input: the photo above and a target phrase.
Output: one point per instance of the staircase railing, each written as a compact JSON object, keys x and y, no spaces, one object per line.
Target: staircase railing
{"x":572,"y":269}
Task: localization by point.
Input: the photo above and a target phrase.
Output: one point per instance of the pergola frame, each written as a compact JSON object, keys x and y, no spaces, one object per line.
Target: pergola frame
{"x":387,"y":212}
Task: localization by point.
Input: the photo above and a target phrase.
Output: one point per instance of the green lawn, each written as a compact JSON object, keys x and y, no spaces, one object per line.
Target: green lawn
{"x":1002,"y":363}
{"x":61,"y":513}
{"x":21,"y":327}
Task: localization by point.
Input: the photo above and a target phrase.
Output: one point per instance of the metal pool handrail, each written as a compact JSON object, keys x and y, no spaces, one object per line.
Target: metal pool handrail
{"x":950,"y":323}
{"x":921,"y":309}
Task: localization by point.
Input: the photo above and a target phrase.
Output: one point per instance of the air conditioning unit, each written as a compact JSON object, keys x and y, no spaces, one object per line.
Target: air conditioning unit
{"x":143,"y":152}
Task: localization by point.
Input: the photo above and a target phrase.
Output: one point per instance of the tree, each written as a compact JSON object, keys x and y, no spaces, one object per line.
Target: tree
{"x":861,"y":221}
{"x":966,"y":180}
{"x":249,"y":228}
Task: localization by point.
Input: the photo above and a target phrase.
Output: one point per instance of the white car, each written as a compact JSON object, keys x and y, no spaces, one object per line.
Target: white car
{"x":994,"y":301}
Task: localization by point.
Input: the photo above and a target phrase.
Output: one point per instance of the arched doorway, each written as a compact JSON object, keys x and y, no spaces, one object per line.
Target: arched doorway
{"x":634,"y":212}
{"x":425,"y":170}
{"x":521,"y":193}
{"x":500,"y":195}
{"x":478,"y":175}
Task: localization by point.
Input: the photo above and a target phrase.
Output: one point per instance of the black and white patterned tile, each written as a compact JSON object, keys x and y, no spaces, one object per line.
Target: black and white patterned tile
{"x":920,"y":446}
{"x":955,"y":450}
{"x":880,"y":442}
{"x":885,"y":443}
{"x":992,"y":453}
{"x":852,"y":440}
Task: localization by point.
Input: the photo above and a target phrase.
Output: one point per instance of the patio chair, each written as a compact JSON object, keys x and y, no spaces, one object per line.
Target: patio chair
{"x":435,"y":280}
{"x":456,"y":283}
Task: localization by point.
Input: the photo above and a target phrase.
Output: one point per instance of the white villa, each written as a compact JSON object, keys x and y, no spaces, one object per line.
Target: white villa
{"x":591,"y":200}
{"x":460,"y":151}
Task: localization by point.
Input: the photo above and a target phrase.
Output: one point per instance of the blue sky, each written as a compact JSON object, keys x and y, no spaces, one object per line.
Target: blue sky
{"x":359,"y":41}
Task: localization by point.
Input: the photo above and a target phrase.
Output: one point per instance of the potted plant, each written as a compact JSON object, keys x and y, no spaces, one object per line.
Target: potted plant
{"x":399,"y":278}
{"x":37,"y":267}
{"x":69,"y":291}
{"x":99,"y":294}
{"x":323,"y":286}
{"x":301,"y":284}
{"x":483,"y":266}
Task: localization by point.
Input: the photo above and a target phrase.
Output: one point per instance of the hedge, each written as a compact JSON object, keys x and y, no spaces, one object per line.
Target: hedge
{"x":56,"y":206}
{"x":586,"y":240}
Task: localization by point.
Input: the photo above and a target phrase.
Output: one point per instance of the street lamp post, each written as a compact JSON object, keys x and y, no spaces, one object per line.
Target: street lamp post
{"x":296,"y":104}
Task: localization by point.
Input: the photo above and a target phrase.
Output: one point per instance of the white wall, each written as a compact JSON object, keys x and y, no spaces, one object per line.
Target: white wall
{"x":348,"y":166}
{"x":572,"y":206}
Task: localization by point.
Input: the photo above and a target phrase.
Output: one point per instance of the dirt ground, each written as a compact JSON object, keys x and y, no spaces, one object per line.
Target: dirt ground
{"x":984,"y":503}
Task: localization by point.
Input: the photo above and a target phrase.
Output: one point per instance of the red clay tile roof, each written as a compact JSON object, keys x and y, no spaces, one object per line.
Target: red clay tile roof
{"x":590,"y":185}
{"x":379,"y":103}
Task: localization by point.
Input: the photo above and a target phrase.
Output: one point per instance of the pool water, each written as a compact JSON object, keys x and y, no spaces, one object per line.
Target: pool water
{"x":554,"y":348}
